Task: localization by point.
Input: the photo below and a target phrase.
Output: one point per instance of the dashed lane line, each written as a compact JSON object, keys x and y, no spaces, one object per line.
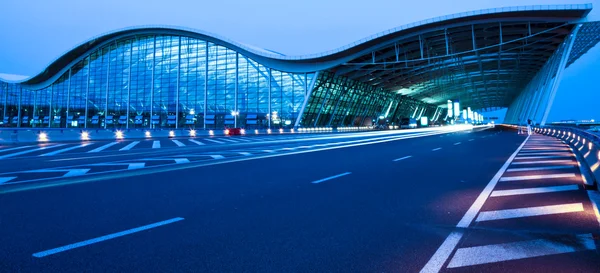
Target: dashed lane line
{"x":402,"y":158}
{"x":330,"y":178}
{"x":436,"y":149}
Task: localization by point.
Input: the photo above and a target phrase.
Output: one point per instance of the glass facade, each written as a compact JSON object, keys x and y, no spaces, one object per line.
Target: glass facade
{"x":158,"y":81}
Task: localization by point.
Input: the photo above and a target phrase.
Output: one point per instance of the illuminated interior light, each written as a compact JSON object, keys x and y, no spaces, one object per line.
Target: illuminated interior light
{"x":42,"y":137}
{"x":85,"y":135}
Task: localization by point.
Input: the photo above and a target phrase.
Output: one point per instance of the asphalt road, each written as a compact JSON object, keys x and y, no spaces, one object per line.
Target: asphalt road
{"x":371,"y":203}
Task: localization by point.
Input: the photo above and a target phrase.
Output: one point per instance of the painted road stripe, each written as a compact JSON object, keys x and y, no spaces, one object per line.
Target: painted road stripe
{"x":215,"y":141}
{"x":68,"y":172}
{"x":217,"y":156}
{"x":402,"y":158}
{"x":539,"y":168}
{"x":31,"y":151}
{"x":103,"y":147}
{"x":156,"y":144}
{"x":528,"y":212}
{"x":534,"y":190}
{"x":229,"y":140}
{"x":66,"y":149}
{"x":436,"y":149}
{"x":15,"y":148}
{"x":245,"y":153}
{"x":179,"y":144}
{"x":129,"y":146}
{"x":104,"y":238}
{"x":542,"y":157}
{"x":6,"y":179}
{"x":331,"y":177}
{"x":538,"y":176}
{"x":519,"y":250}
{"x":195,"y":141}
{"x":545,"y":162}
{"x":268,"y":151}
{"x":545,"y":149}
{"x":130,"y":166}
{"x":546,"y":153}
{"x":457,"y":143}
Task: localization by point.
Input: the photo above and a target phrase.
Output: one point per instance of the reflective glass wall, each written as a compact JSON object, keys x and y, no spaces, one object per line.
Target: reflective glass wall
{"x":160,"y":82}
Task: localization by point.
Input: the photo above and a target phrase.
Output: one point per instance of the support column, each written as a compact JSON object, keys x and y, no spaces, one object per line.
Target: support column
{"x":68,"y":99}
{"x":235,"y":102}
{"x":87,"y":91}
{"x":269,"y":108}
{"x":152,"y":83}
{"x":129,"y":85}
{"x":177,"y":91}
{"x":307,"y":93}
{"x":205,"y":84}
{"x":19,"y":105}
{"x":107,"y":86}
{"x":50,"y":110}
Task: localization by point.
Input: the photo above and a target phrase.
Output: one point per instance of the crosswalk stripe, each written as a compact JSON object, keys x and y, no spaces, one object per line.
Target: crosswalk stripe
{"x":66,"y":149}
{"x":539,"y":176}
{"x":476,"y":255}
{"x":545,"y":153}
{"x":129,"y":146}
{"x":217,"y":156}
{"x":542,"y":157}
{"x":179,"y":144}
{"x":497,"y":193}
{"x":103,"y":147}
{"x":31,"y":151}
{"x":156,"y":144}
{"x":245,"y":153}
{"x":197,"y":142}
{"x":268,"y":151}
{"x":212,"y":140}
{"x":15,"y":148}
{"x":544,"y":162}
{"x":540,"y":168}
{"x":6,"y":179}
{"x":229,"y":140}
{"x":528,"y":212}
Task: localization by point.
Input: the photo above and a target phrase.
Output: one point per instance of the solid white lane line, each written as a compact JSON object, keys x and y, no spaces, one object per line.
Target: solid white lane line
{"x":402,"y":158}
{"x":31,"y":151}
{"x":442,"y":254}
{"x":545,"y":162}
{"x":542,"y":157}
{"x":66,"y":149}
{"x":331,"y":177}
{"x":519,"y":250}
{"x":497,"y":193}
{"x":195,"y":141}
{"x":538,"y":176}
{"x":215,"y":141}
{"x":129,"y":146}
{"x":540,"y":168}
{"x":245,"y":153}
{"x":179,"y":144}
{"x":528,"y":212}
{"x":156,"y":144}
{"x":436,"y":149}
{"x":217,"y":156}
{"x":457,"y":143}
{"x":103,"y":147}
{"x":6,"y":179}
{"x":104,"y":238}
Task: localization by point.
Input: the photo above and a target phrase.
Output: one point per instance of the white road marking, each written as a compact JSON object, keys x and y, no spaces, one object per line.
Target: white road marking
{"x":542,"y":157}
{"x":6,"y":179}
{"x":519,"y":250}
{"x":130,"y":166}
{"x":546,"y":153}
{"x":215,"y":141}
{"x":179,"y":144}
{"x":457,"y":143}
{"x":15,"y":148}
{"x":129,"y":146}
{"x":288,"y":149}
{"x":195,"y":141}
{"x":229,"y":140}
{"x":268,"y":151}
{"x":103,"y":147}
{"x":66,"y":149}
{"x":156,"y":144}
{"x":538,"y":176}
{"x":436,"y":149}
{"x":30,"y":151}
{"x":539,"y":168}
{"x":69,"y":172}
{"x":534,"y":190}
{"x":104,"y":238}
{"x":245,"y":153}
{"x":528,"y":212}
{"x":331,"y":177}
{"x":402,"y":158}
{"x":217,"y":156}
{"x":442,"y":254}
{"x":545,"y":162}
{"x":181,"y":160}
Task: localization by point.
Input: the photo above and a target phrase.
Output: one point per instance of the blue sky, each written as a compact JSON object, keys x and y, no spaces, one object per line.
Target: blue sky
{"x":35,"y":32}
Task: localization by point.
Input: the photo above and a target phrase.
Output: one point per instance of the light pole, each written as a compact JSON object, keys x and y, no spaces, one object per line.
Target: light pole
{"x":235,"y":114}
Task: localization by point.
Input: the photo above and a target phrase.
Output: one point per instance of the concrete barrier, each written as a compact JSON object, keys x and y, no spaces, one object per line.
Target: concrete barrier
{"x":586,"y":146}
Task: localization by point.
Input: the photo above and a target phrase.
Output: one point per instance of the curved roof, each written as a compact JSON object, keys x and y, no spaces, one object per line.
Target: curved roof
{"x":430,"y":48}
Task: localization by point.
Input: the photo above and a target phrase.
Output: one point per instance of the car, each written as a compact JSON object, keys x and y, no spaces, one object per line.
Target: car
{"x":408,"y":123}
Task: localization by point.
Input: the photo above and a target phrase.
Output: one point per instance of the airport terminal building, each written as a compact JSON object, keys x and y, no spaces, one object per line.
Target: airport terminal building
{"x":172,"y":77}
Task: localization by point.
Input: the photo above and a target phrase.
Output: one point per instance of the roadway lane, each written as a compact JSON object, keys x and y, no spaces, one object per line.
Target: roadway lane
{"x":265,"y":214}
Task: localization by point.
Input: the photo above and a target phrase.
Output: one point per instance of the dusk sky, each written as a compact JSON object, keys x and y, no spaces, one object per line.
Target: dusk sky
{"x":35,"y":32}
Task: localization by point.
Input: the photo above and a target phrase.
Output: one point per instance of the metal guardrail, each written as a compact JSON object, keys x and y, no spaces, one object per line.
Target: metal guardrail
{"x":585,"y":144}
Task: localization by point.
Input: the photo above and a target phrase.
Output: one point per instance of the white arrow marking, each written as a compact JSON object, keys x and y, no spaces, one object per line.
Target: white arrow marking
{"x":70,"y":172}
